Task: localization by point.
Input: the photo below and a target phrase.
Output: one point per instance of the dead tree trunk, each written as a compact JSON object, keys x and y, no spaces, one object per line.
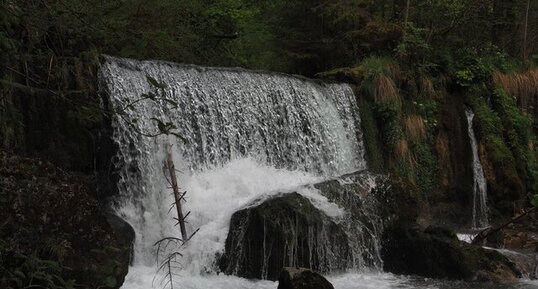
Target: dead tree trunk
{"x":162,"y":245}
{"x":178,"y":196}
{"x":484,"y":234}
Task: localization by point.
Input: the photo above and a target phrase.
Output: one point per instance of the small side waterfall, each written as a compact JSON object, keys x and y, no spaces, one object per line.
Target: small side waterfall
{"x":480,"y":208}
{"x":249,"y":135}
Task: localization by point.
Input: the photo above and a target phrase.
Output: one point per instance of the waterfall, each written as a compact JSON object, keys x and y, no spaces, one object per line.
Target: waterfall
{"x":480,"y":208}
{"x":224,"y":114}
{"x":247,"y":135}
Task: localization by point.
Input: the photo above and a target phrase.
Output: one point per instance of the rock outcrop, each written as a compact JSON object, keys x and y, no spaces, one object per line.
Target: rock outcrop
{"x":437,"y":253}
{"x":286,"y":230}
{"x":518,"y":243}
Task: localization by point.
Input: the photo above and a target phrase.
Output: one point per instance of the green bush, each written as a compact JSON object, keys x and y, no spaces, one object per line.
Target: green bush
{"x":474,"y":67}
{"x":426,"y":168}
{"x":388,"y":115}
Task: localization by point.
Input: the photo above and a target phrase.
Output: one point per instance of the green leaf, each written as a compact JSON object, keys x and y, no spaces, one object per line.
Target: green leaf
{"x":173,"y":103}
{"x":163,"y":127}
{"x":110,"y":281}
{"x":149,"y":95}
{"x":155,"y":83}
{"x":97,"y":251}
{"x":180,"y":137}
{"x":19,"y":274}
{"x":534,"y":200}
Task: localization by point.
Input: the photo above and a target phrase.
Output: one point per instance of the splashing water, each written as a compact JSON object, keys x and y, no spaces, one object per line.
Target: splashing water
{"x":480,"y":208}
{"x":215,"y":194}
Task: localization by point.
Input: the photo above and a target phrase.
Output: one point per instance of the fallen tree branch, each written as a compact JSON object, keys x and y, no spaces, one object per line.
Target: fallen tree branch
{"x":484,"y":234}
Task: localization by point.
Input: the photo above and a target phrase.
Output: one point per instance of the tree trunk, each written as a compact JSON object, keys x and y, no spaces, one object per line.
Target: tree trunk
{"x":177,"y":194}
{"x":525,"y":32}
{"x":503,"y":24}
{"x":406,"y":16}
{"x":382,"y":9}
{"x":398,"y":9}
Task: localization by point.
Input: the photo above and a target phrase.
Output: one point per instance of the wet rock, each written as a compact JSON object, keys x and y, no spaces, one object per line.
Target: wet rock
{"x":364,"y":197}
{"x":437,"y":253}
{"x":286,"y":230}
{"x":517,"y":243}
{"x":301,"y":278}
{"x":526,"y":262}
{"x":350,"y":191}
{"x":124,"y":232}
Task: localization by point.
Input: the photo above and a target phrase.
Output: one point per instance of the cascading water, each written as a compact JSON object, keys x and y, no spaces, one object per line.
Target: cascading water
{"x":480,"y":208}
{"x":249,"y":135}
{"x":227,"y":114}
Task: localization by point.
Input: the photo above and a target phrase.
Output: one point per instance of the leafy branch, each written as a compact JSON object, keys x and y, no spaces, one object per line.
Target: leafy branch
{"x":159,"y":94}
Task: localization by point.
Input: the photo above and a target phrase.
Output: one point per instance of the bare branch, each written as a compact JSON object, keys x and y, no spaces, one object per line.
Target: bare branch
{"x":170,"y":261}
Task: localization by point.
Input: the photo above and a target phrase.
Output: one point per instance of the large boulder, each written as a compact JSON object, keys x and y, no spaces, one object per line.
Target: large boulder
{"x":286,"y":230}
{"x":526,"y":262}
{"x":301,"y":278}
{"x":437,"y":253}
{"x":519,"y":243}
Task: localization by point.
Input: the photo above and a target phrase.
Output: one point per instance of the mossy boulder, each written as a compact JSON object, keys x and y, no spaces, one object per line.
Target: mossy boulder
{"x":286,"y":230}
{"x":437,"y":253}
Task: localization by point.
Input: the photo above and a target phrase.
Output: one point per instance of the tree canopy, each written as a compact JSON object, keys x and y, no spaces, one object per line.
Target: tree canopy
{"x":293,"y":36}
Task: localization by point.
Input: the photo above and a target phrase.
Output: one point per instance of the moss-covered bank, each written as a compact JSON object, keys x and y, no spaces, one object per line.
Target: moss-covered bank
{"x":414,"y":127}
{"x":54,"y":232}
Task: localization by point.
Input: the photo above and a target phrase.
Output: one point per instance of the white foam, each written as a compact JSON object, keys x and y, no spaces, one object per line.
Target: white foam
{"x":143,"y":276}
{"x":468,"y":238}
{"x":372,"y":281}
{"x":321,"y":202}
{"x":213,"y":196}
